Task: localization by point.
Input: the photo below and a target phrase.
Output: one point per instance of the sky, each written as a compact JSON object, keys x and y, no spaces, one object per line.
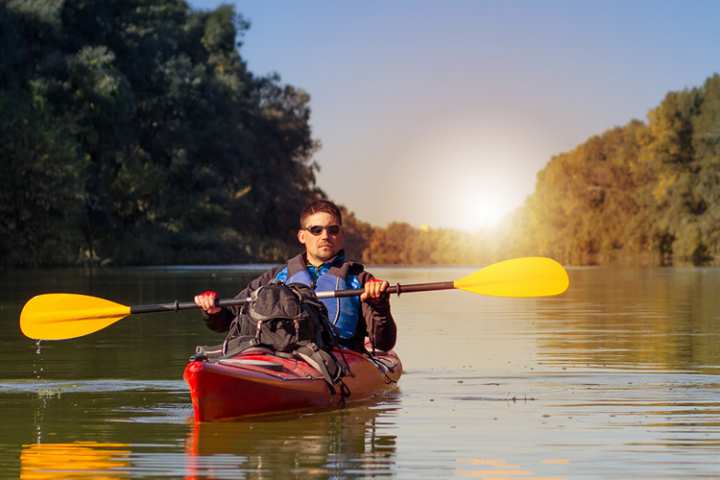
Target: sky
{"x":442,"y":113}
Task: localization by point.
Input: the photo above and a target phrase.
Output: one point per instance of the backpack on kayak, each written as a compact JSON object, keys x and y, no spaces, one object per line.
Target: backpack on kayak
{"x":288,"y":319}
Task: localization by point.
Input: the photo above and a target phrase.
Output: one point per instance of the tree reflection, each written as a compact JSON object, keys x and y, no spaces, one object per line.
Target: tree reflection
{"x":659,"y":319}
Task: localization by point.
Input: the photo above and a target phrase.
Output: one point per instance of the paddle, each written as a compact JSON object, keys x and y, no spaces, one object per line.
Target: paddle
{"x":61,"y":316}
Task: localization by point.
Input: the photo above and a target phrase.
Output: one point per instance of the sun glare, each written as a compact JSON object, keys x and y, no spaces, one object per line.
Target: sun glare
{"x":482,"y":174}
{"x":482,"y":210}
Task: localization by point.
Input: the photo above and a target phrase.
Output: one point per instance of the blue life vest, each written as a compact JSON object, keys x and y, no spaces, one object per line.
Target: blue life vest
{"x":344,"y":313}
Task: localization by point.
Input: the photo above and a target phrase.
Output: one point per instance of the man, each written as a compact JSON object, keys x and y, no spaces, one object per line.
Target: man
{"x":323,"y":267}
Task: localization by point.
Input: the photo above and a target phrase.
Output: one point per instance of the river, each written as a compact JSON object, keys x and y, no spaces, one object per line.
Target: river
{"x":617,"y":378}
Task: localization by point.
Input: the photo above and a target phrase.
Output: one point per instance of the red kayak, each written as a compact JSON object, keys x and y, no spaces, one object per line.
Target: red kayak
{"x":258,"y":383}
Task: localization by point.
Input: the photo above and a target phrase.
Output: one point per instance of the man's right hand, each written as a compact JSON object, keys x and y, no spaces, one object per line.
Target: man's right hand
{"x":206,"y":300}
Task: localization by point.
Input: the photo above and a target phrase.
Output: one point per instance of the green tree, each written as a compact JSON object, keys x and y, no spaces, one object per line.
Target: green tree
{"x":173,"y":150}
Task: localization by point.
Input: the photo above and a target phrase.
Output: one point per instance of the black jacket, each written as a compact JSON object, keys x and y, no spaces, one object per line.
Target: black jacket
{"x":376,"y":321}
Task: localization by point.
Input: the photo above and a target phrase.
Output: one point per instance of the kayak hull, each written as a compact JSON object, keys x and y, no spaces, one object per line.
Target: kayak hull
{"x":261,"y":383}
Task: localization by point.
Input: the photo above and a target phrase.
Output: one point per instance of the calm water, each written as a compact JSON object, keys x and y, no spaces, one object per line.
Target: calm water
{"x":618,"y":378}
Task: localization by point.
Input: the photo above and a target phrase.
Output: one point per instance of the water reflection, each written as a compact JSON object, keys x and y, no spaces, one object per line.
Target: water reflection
{"x":76,"y":460}
{"x":667,"y":411}
{"x":652,"y":319}
{"x":488,"y":469}
{"x":618,"y":378}
{"x":346,"y":443}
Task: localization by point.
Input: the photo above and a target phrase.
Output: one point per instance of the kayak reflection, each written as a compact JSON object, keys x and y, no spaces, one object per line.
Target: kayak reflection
{"x":349,"y":442}
{"x":50,"y":461}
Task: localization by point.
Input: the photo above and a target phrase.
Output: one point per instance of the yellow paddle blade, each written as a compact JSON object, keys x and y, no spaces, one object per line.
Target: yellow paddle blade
{"x":59,"y":316}
{"x":519,"y":277}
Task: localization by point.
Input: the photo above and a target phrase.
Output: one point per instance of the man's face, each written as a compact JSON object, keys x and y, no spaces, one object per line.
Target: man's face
{"x":324,"y":246}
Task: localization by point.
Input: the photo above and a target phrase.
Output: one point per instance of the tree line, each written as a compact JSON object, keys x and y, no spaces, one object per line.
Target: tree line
{"x":133,"y":132}
{"x":644,"y":193}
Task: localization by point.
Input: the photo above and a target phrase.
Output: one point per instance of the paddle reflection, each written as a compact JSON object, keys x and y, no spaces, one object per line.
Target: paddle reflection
{"x":346,"y":443}
{"x":76,"y":460}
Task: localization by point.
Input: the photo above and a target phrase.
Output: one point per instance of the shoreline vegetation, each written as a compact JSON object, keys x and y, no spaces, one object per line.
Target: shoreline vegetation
{"x":133,"y":133}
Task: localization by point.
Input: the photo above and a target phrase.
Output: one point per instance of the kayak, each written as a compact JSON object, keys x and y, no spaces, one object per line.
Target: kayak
{"x":257,"y":382}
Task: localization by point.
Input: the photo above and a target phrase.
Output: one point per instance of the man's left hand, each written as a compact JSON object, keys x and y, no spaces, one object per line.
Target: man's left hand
{"x":374,"y":290}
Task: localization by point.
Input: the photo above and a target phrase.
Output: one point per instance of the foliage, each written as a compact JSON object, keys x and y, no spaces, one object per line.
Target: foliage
{"x":403,"y":244}
{"x":642,"y":193}
{"x":133,"y":133}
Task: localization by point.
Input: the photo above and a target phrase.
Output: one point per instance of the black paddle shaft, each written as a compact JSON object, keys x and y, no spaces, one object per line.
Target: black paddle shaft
{"x":174,"y":306}
{"x":398,"y":289}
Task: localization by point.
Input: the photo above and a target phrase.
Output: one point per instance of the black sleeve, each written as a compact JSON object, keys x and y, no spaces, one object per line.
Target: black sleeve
{"x":379,"y":322}
{"x":220,"y":321}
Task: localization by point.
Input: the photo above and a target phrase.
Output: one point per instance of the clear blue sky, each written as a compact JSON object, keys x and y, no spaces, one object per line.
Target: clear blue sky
{"x":442,"y":113}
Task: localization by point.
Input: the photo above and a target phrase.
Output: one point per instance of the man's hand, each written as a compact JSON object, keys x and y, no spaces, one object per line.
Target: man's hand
{"x":374,"y":290}
{"x":206,"y":300}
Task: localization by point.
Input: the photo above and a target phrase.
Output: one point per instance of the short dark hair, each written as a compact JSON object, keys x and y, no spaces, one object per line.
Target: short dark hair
{"x":317,"y":206}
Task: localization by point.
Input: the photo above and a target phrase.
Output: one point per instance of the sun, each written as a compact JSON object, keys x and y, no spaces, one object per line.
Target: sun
{"x":482,"y":210}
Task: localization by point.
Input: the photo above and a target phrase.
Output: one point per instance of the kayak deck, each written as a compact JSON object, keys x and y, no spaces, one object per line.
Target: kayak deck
{"x":263,"y":383}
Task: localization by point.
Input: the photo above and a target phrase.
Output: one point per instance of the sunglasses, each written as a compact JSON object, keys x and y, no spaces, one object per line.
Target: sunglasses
{"x":317,"y":229}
